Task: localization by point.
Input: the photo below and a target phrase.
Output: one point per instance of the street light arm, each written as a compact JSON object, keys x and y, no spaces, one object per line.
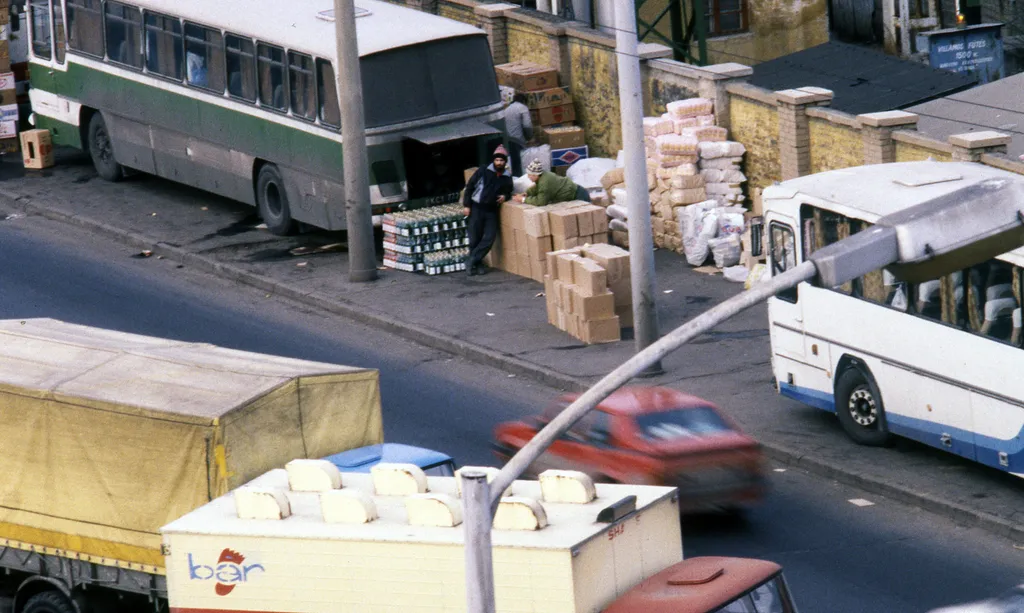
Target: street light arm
{"x":637,"y":364}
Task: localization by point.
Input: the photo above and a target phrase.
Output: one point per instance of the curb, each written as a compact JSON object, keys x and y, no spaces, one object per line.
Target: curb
{"x":512,"y":365}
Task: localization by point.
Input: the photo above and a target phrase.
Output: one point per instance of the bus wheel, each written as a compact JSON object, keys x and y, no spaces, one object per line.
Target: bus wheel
{"x":101,"y":150}
{"x":859,"y":408}
{"x":49,"y":601}
{"x":272,"y":200}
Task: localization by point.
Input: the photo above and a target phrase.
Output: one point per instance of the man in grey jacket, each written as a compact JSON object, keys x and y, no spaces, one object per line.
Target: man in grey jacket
{"x":519,"y":128}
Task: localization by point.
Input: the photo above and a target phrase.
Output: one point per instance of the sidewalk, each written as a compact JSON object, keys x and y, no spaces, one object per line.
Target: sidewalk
{"x":500,"y":319}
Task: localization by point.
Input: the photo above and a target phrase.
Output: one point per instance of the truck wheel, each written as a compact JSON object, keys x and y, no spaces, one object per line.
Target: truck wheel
{"x":860,"y":410}
{"x":48,"y":602}
{"x":272,"y":200}
{"x":101,"y":150}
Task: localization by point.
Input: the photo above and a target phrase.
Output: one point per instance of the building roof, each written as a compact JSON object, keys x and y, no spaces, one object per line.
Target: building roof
{"x":995,"y":106}
{"x":862,"y":79}
{"x":381,"y":27}
{"x":874,"y":191}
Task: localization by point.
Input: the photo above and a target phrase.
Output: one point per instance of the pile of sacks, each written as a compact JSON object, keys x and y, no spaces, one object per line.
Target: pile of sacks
{"x":690,"y":161}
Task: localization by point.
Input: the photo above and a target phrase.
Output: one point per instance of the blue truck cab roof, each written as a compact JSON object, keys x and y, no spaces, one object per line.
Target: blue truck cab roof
{"x":362,"y":459}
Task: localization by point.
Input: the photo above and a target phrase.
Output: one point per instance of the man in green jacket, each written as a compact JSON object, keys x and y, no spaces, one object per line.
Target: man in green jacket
{"x":549,"y":188}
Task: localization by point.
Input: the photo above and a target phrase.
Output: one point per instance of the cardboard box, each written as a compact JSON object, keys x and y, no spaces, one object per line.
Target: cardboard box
{"x":565,"y":291}
{"x":567,"y":157}
{"x":589,"y":277}
{"x":563,"y":137}
{"x":535,"y":222}
{"x":523,"y":268}
{"x":494,"y":257}
{"x":7,"y":80}
{"x":563,"y":223}
{"x":545,"y":98}
{"x":599,"y":239}
{"x":600,"y":306}
{"x":538,"y":248}
{"x":538,"y":270}
{"x":600,"y":220}
{"x":573,"y":242}
{"x":565,"y":268}
{"x":553,"y":114}
{"x":614,"y":260}
{"x":522,"y":244}
{"x":37,"y":149}
{"x":601,"y":330}
{"x":526,"y":76}
{"x":9,"y":129}
{"x":625,"y":315}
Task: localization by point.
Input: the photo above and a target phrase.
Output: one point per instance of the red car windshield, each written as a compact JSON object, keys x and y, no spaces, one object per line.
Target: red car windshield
{"x":677,"y":424}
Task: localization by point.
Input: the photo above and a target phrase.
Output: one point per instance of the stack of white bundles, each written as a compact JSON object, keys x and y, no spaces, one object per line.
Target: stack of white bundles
{"x":686,"y":122}
{"x":651,"y":126}
{"x":676,"y":144}
{"x":691,"y":107}
{"x":683,"y":197}
{"x":619,"y":197}
{"x":706,"y":134}
{"x":720,"y":166}
{"x":706,"y":120}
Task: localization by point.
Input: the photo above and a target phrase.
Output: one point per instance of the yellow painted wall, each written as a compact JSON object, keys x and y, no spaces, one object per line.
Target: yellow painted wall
{"x":906,"y":152}
{"x":528,"y":43}
{"x":756,"y":125}
{"x":834,"y":146}
{"x":661,"y":89}
{"x":595,"y":91}
{"x":457,"y":12}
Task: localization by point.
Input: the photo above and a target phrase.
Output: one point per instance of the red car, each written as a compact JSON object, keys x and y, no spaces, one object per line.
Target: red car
{"x":653,"y":436}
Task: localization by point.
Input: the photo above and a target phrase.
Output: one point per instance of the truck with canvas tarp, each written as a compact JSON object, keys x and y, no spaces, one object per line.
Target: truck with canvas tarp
{"x":107,"y":436}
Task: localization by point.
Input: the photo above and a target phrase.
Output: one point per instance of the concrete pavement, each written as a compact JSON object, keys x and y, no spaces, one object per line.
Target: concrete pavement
{"x":499,"y":319}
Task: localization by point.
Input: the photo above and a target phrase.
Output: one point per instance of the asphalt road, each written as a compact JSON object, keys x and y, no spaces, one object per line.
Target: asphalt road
{"x":870,"y":555}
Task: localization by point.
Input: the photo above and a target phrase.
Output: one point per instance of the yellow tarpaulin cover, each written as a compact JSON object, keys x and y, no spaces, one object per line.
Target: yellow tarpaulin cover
{"x":106,"y":436}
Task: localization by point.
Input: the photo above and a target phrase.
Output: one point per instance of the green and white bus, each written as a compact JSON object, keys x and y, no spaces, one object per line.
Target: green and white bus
{"x":238,"y":97}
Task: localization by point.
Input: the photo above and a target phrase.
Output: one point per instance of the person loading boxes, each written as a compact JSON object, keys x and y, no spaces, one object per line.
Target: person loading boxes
{"x":549,"y":188}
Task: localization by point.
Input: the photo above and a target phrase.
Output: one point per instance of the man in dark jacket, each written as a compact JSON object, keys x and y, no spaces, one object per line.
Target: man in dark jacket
{"x":486,"y":191}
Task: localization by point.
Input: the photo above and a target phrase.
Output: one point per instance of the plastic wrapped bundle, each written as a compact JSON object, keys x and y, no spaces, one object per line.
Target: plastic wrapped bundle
{"x":716,"y":175}
{"x":686,"y":181}
{"x":672,"y":161}
{"x":651,"y":126}
{"x":617,"y":211}
{"x":723,"y":189}
{"x":678,"y":197}
{"x":675,"y":144}
{"x":721,"y":164}
{"x":613,"y":177}
{"x":724,"y":149}
{"x":726,"y":250}
{"x":691,"y":107}
{"x":686,"y":122}
{"x":706,"y":134}
{"x":706,"y":120}
{"x":698,"y":223}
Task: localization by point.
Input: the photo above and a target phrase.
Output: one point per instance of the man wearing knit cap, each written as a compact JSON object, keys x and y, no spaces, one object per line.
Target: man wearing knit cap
{"x":549,"y":188}
{"x":486,"y":191}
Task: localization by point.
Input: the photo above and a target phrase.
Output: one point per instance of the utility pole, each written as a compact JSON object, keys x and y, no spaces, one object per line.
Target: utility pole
{"x":362,"y":258}
{"x":905,"y":28}
{"x":641,"y":242}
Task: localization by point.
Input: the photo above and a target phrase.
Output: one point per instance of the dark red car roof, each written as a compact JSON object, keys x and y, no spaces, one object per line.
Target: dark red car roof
{"x":639,"y":400}
{"x":696,"y":585}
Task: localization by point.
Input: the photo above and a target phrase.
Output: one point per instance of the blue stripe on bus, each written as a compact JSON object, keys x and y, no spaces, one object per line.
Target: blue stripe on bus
{"x":814,"y":398}
{"x":985,"y":449}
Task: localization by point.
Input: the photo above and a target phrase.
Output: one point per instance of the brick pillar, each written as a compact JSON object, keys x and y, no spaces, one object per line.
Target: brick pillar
{"x":712,"y":82}
{"x":427,"y":6}
{"x":558,"y":52}
{"x":794,"y":130}
{"x":492,"y":21}
{"x":970,"y":146}
{"x":877,"y":129}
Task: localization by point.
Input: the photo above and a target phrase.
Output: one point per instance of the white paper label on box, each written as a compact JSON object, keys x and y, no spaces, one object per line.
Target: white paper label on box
{"x":8,"y":129}
{"x":7,"y":80}
{"x":9,"y":112}
{"x":5,"y":31}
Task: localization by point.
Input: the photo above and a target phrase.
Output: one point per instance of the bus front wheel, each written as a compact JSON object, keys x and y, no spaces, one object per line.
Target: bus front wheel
{"x":272,"y":200}
{"x":859,"y":409}
{"x":101,"y":150}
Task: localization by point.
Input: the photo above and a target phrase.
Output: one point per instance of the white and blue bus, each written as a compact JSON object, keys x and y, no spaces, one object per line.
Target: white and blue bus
{"x":239,"y":98}
{"x":939,"y":362}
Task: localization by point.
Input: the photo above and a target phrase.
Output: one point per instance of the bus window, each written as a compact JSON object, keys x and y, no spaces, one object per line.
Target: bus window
{"x":124,"y":34}
{"x":783,"y":255}
{"x":59,"y":50}
{"x":271,"y":77}
{"x":163,"y":46}
{"x":85,"y":27}
{"x":991,"y":300}
{"x":241,"y":55}
{"x":40,"y":16}
{"x":330,"y":114}
{"x":303,"y":91}
{"x":204,"y":58}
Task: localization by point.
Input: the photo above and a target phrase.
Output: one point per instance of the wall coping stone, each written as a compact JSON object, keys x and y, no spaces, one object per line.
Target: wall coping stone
{"x":834,"y":116}
{"x":912,"y":137}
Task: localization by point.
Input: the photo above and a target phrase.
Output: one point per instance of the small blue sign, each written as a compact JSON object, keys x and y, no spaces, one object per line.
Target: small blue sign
{"x":567,"y":157}
{"x":975,"y":50}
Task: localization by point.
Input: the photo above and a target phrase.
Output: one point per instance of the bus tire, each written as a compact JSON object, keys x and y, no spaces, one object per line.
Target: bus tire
{"x":860,"y":410}
{"x":101,"y":150}
{"x":50,"y":601}
{"x":272,"y":201}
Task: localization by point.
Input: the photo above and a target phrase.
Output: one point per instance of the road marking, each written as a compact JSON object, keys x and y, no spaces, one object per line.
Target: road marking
{"x":860,"y":502}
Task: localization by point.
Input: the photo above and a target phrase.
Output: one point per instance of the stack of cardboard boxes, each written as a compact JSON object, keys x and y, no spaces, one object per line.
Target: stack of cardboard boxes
{"x":588,"y":292}
{"x":551,"y":109}
{"x":8,"y":94}
{"x":529,"y":233}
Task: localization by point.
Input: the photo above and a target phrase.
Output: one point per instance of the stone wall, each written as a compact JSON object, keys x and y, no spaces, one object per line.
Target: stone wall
{"x":754,"y":121}
{"x":836,"y":141}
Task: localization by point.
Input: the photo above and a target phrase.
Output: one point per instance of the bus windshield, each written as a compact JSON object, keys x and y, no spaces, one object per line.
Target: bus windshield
{"x":769,"y":597}
{"x":443,"y":76}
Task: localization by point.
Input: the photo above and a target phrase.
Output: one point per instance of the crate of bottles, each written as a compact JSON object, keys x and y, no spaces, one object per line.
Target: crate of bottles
{"x":427,"y":240}
{"x":442,"y":262}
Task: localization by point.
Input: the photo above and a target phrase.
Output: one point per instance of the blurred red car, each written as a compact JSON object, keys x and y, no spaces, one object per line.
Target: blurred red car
{"x":653,"y":436}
